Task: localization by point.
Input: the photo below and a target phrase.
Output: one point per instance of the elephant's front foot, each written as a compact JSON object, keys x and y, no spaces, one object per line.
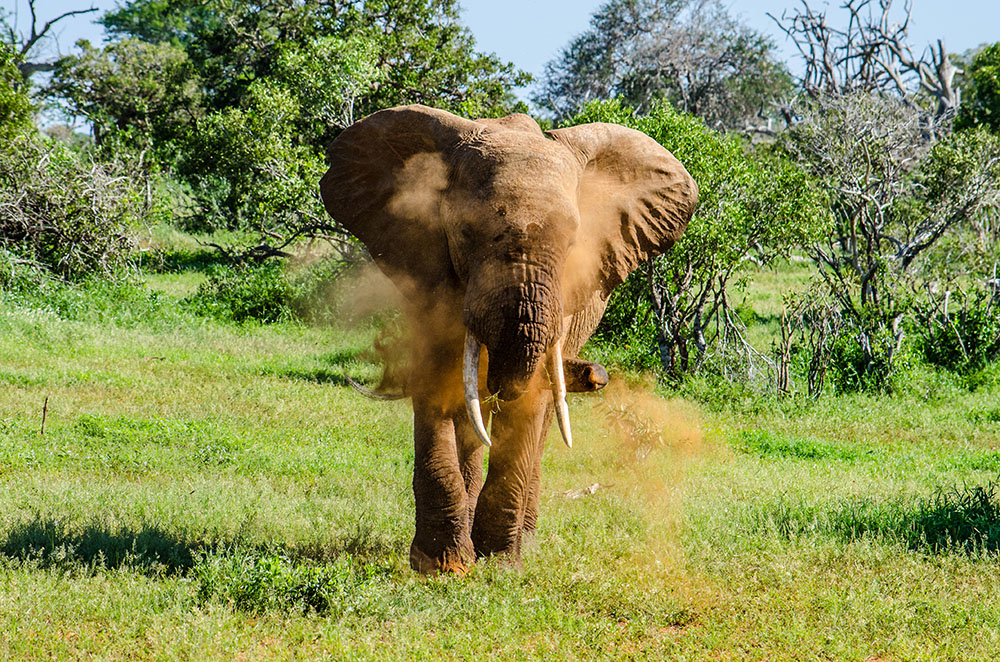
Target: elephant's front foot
{"x":456,"y":560}
{"x":497,"y":532}
{"x":506,"y":551}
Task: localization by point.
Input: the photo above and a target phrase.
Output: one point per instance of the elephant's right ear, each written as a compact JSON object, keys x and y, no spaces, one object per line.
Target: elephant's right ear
{"x":386,"y":178}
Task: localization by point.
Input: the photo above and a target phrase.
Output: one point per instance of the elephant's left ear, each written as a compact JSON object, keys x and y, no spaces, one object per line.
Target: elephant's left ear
{"x":635,"y":198}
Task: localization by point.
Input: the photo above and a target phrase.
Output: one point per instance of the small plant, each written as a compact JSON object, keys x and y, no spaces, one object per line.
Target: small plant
{"x":273,"y":582}
{"x":965,"y":518}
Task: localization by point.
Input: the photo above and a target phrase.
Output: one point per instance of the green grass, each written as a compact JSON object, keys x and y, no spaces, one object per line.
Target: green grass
{"x":207,"y":490}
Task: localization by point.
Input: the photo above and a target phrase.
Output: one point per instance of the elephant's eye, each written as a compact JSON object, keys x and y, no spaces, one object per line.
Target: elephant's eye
{"x":498,"y":238}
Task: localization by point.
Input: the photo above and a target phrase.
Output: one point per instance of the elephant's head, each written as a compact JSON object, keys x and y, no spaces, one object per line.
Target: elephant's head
{"x":523,"y":229}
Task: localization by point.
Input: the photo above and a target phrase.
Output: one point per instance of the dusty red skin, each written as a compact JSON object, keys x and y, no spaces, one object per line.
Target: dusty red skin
{"x":517,"y":237}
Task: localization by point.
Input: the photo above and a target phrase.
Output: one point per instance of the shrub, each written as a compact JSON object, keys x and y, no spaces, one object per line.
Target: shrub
{"x":121,"y":301}
{"x":242,"y":293}
{"x":268,"y":292}
{"x":64,"y":211}
{"x":868,"y":354}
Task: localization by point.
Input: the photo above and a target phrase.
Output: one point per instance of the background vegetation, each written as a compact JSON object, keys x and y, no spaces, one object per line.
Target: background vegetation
{"x":797,"y":459}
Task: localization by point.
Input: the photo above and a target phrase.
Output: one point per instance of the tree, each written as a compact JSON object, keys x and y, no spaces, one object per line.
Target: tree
{"x":239,"y":100}
{"x":146,"y":93}
{"x":981,"y":106}
{"x":895,"y":194}
{"x":691,"y":52}
{"x":424,"y":53}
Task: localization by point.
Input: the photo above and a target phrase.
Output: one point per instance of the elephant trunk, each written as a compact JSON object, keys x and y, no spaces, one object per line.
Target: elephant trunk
{"x":470,"y":375}
{"x":520,"y":323}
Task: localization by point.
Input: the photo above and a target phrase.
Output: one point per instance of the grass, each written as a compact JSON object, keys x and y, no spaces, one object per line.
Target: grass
{"x":210,"y":490}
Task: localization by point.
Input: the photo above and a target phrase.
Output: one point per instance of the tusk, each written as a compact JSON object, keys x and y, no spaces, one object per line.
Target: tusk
{"x":470,"y":377}
{"x":559,"y":393}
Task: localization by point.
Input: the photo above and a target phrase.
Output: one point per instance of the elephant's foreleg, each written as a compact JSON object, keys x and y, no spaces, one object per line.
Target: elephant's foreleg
{"x":499,"y":519}
{"x":441,"y":541}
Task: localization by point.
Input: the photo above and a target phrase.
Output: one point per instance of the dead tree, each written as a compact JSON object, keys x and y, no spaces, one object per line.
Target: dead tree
{"x":23,"y":44}
{"x":870,"y":53}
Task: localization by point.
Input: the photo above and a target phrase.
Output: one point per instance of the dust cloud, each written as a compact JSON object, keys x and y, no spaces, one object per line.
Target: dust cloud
{"x":419,"y":186}
{"x":656,"y":442}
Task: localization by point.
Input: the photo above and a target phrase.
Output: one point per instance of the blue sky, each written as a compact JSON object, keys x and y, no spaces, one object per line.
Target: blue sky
{"x":531,"y":32}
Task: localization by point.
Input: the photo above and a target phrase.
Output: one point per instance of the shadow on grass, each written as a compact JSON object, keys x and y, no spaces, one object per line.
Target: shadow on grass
{"x":318,"y":375}
{"x":959,"y":519}
{"x":52,"y":543}
{"x":154,"y":550}
{"x":335,"y":366}
{"x":183,"y":261}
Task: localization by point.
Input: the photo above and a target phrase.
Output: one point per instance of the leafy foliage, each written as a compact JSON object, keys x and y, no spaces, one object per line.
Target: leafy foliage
{"x":981,"y":105}
{"x":963,"y":339}
{"x":142,"y":94}
{"x":425,"y":53}
{"x":15,"y":107}
{"x":266,"y":292}
{"x":751,"y":204}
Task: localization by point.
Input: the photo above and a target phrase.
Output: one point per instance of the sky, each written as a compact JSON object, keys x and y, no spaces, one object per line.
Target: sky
{"x":529,"y":33}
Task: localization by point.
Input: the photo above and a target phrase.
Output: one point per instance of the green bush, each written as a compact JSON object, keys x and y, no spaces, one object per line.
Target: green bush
{"x":242,"y":293}
{"x":965,"y":339}
{"x":870,"y":359}
{"x":120,"y":301}
{"x":626,"y":336}
{"x":268,"y":292}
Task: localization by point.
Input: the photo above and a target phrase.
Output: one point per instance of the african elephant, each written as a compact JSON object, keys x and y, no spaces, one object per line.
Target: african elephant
{"x":502,"y":237}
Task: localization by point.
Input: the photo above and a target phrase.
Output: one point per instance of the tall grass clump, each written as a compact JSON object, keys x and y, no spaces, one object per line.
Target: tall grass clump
{"x":955,"y":519}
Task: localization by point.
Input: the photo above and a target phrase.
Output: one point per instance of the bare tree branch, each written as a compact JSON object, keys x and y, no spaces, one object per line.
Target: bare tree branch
{"x":25,"y":44}
{"x":871,"y":53}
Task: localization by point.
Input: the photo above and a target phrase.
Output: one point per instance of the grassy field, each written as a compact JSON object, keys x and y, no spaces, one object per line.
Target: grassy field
{"x":206,"y":490}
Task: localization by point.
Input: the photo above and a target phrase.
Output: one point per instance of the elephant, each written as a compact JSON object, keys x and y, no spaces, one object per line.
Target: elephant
{"x":504,"y":238}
